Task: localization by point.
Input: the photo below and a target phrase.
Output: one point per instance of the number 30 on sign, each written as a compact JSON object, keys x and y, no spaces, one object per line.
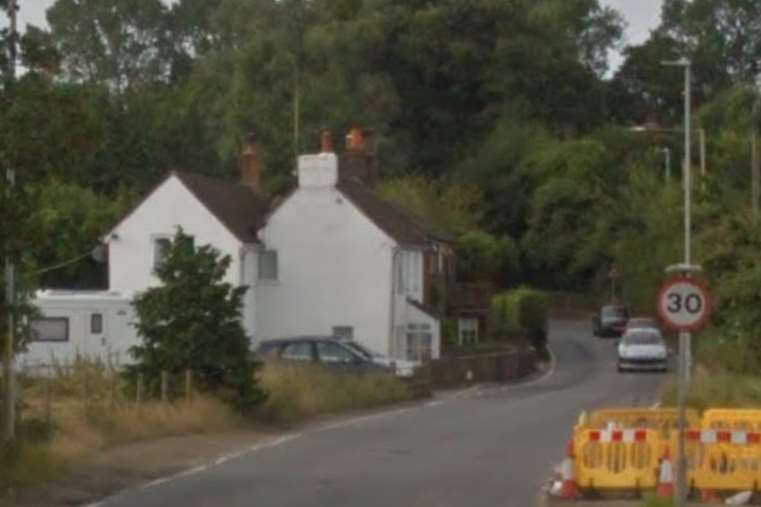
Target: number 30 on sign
{"x":684,"y":304}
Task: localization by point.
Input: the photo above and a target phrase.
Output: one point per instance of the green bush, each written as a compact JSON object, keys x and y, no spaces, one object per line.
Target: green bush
{"x":522,"y":311}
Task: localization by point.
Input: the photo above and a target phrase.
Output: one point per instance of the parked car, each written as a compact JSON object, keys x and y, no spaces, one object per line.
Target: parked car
{"x":402,"y":367}
{"x":610,"y":321}
{"x":331,"y":352}
{"x":642,"y":323}
{"x":642,"y":349}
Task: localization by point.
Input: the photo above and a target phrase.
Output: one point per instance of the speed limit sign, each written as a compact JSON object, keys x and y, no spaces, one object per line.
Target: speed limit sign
{"x":684,"y":304}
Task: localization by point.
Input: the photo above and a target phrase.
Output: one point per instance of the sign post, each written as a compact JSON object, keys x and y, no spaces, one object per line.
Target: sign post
{"x":683,"y":304}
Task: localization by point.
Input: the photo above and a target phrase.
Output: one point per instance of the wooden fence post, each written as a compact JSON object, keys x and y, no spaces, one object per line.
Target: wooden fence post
{"x":164,"y":386}
{"x":112,"y":389}
{"x":48,"y":411}
{"x":139,"y":390}
{"x":188,"y":384}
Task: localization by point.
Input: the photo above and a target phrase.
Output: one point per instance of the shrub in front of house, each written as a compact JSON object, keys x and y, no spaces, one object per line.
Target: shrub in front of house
{"x":192,"y":321}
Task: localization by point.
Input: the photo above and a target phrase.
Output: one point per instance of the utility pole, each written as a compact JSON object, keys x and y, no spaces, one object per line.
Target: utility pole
{"x":9,"y":383}
{"x":755,"y":174}
{"x":685,"y":338}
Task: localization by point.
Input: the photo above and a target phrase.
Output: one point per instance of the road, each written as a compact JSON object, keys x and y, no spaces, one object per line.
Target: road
{"x":483,"y":447}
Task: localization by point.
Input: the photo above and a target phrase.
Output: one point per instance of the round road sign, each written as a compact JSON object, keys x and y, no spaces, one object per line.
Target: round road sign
{"x":684,"y":304}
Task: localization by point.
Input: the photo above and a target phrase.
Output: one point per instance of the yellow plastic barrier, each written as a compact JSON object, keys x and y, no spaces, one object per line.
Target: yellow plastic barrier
{"x":723,"y":459}
{"x":622,"y":448}
{"x":664,"y":420}
{"x":616,"y":458}
{"x":732,"y":419}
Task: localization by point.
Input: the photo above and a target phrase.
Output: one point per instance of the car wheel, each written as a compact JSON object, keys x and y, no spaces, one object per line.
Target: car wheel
{"x":620,"y":369}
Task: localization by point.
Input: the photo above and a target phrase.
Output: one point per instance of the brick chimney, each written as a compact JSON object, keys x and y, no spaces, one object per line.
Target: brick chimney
{"x":355,"y":163}
{"x":249,"y":163}
{"x":326,"y":141}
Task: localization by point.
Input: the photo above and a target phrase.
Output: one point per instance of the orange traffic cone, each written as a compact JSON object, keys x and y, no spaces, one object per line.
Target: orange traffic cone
{"x":666,"y":476}
{"x":708,"y":496}
{"x":568,"y":487}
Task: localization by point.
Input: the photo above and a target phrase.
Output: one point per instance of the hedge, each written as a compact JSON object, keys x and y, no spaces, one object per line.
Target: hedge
{"x":522,"y":311}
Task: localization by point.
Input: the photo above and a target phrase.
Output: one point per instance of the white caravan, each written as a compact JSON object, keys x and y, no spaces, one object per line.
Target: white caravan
{"x":93,"y":324}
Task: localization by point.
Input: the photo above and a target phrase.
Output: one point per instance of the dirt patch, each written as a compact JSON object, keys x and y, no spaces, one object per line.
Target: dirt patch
{"x":130,"y":465}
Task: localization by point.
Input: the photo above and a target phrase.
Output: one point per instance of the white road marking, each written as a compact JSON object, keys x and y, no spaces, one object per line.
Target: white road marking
{"x":202,"y":468}
{"x":434,"y":403}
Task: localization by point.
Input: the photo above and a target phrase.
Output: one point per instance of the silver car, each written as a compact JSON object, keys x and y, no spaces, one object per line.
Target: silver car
{"x":643,"y":349}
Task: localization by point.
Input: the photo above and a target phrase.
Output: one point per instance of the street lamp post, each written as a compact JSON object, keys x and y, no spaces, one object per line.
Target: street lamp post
{"x":701,"y":140}
{"x":685,"y":338}
{"x":9,"y":384}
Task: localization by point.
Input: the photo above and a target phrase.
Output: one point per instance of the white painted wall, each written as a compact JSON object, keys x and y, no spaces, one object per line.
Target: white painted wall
{"x":334,"y":265}
{"x":169,"y":206}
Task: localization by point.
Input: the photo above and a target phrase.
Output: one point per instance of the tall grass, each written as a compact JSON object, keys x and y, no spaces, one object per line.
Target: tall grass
{"x":72,"y":411}
{"x":718,"y":389}
{"x":296,"y":393}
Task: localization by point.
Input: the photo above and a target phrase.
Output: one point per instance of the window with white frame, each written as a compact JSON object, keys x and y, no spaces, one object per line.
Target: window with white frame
{"x":50,"y":329}
{"x":267,"y":265}
{"x":96,"y":323}
{"x":161,"y":247}
{"x":419,"y":342}
{"x":409,"y":272}
{"x":343,"y":332}
{"x":467,"y":331}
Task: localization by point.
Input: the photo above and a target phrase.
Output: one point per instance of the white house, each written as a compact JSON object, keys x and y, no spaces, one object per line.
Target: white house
{"x":350,"y":264}
{"x":332,"y":258}
{"x":224,"y":214}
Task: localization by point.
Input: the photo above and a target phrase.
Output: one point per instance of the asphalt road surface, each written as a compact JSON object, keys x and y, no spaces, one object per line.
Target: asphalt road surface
{"x":493,"y":446}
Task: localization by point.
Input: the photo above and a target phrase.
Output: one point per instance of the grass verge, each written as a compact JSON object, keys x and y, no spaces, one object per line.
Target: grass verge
{"x":299,"y":393}
{"x":718,"y":389}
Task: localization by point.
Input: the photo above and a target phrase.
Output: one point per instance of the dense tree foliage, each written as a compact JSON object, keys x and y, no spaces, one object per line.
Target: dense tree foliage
{"x":493,"y":120}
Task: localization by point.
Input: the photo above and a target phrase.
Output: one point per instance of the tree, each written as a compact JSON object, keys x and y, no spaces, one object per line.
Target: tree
{"x":193,"y":321}
{"x":450,"y":208}
{"x":119,"y":43}
{"x":722,"y":37}
{"x":483,"y":257}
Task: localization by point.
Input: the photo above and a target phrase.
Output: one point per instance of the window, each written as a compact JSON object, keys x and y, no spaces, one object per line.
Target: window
{"x":50,"y":329}
{"x":468,"y":331}
{"x":161,"y":246}
{"x":297,"y":351}
{"x":331,"y":353}
{"x":419,"y":341}
{"x":267,"y":265}
{"x":343,"y":332}
{"x":96,"y":323}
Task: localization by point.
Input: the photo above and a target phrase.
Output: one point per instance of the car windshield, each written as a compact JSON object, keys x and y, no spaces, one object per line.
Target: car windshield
{"x":613,"y":312}
{"x":642,"y":322}
{"x":361,"y":350}
{"x":643,"y":339}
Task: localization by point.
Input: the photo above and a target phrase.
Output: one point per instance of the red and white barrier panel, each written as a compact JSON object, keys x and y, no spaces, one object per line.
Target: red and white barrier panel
{"x":627,"y":436}
{"x":723,"y":436}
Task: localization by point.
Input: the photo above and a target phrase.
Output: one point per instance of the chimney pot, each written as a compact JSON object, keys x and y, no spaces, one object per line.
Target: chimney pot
{"x":326,"y":141}
{"x":249,"y":163}
{"x":355,"y":140}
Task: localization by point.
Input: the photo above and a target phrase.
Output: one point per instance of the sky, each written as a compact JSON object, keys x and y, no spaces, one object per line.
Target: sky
{"x":641,"y":15}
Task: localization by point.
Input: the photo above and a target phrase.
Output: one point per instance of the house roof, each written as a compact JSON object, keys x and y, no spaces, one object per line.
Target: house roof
{"x":237,"y":206}
{"x":428,"y":310}
{"x":395,"y":222}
